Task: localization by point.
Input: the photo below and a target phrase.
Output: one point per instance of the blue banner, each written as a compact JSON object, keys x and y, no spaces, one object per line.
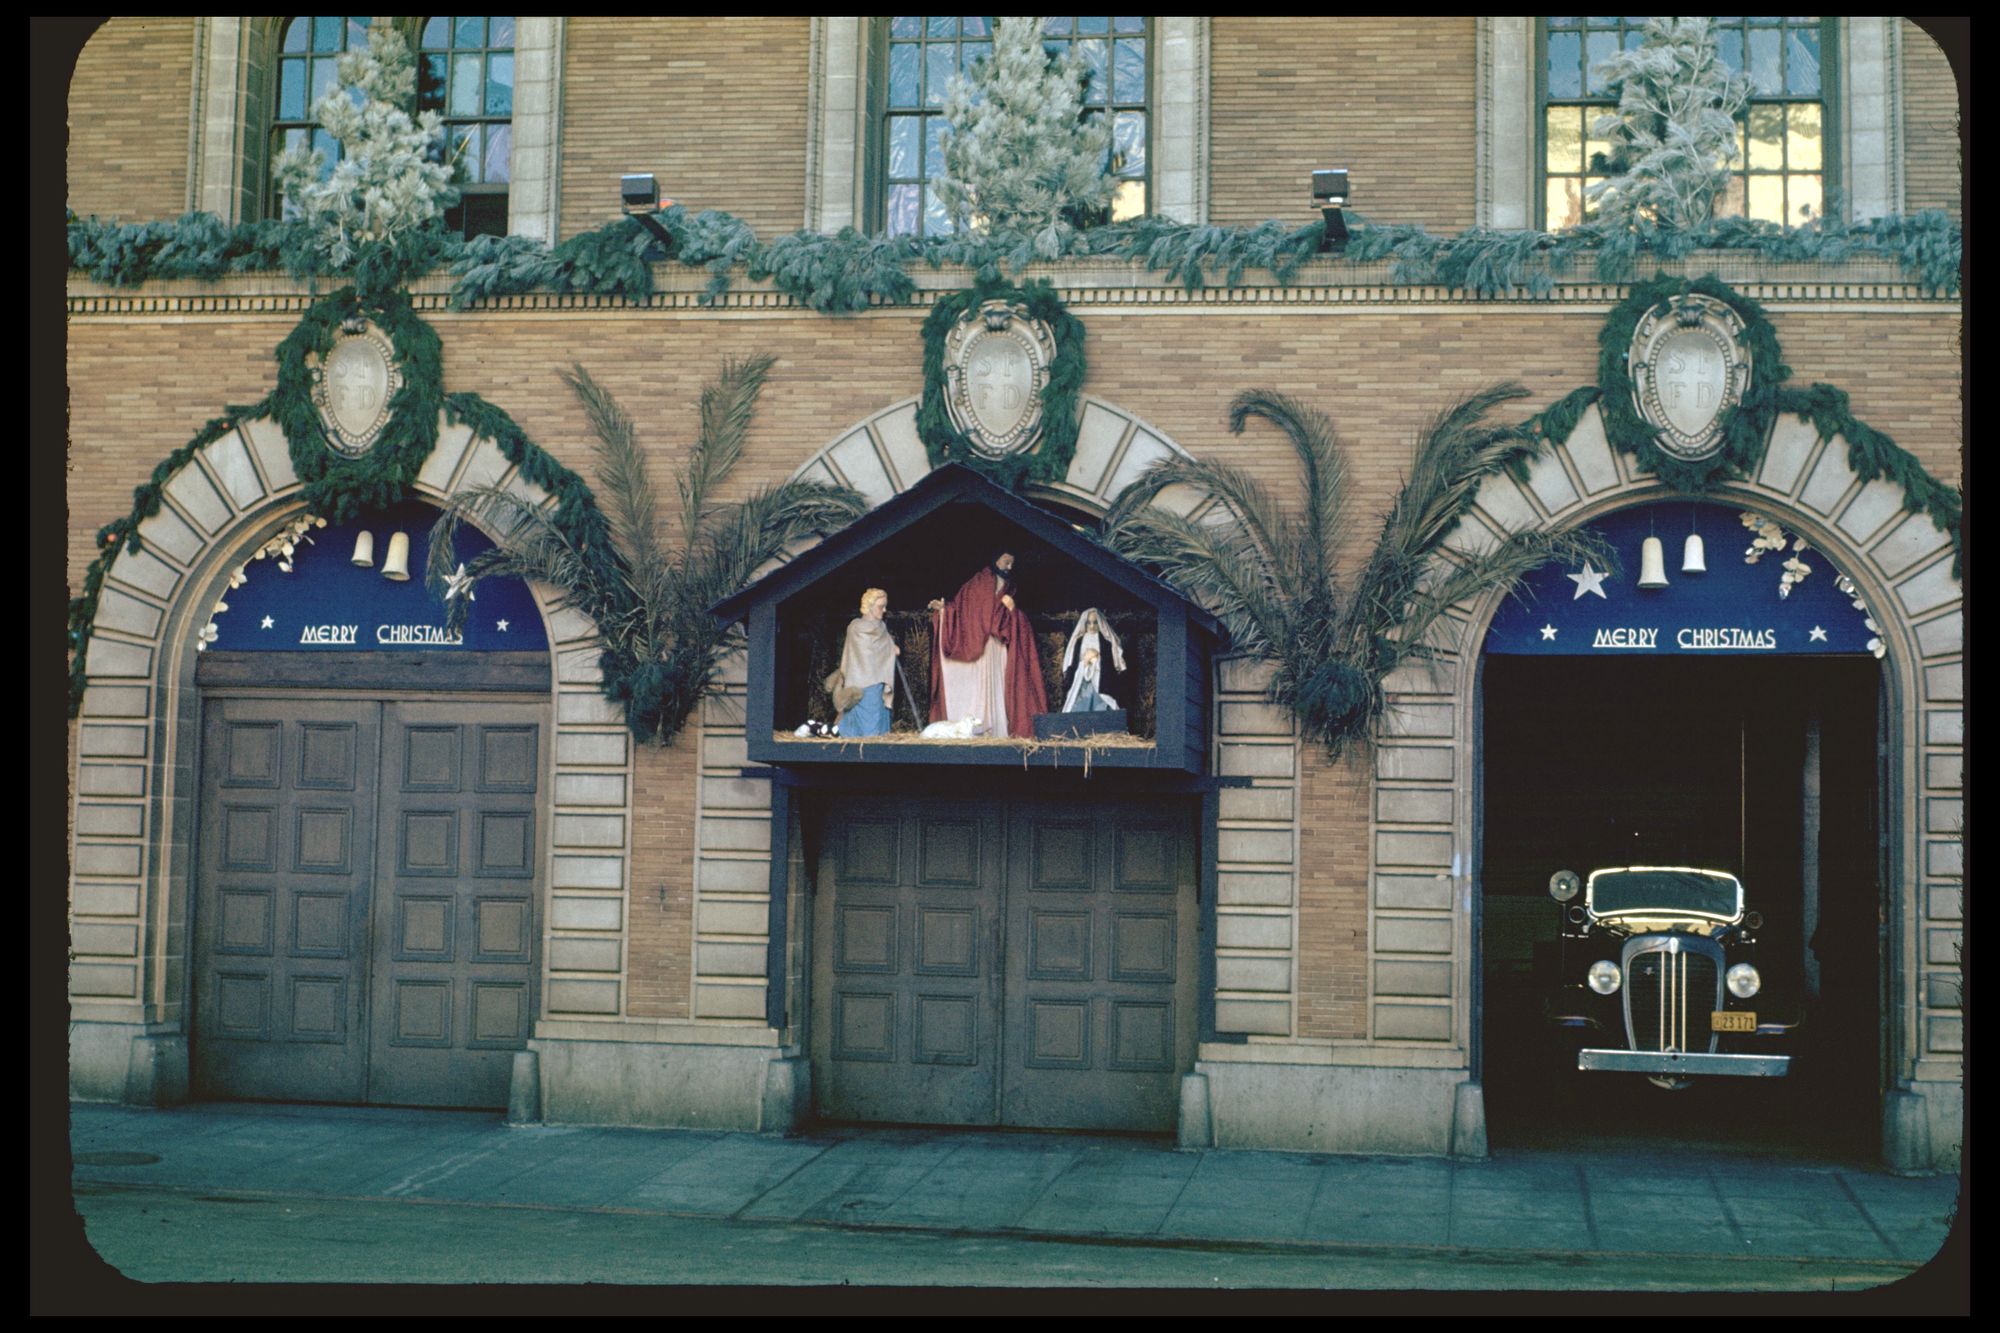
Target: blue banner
{"x":326,"y":601}
{"x":1784,"y":600}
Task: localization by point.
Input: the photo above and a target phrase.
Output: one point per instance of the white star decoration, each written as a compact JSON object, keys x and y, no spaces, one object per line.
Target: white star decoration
{"x":1588,"y":581}
{"x":1548,"y":633}
{"x":503,"y":627}
{"x":1818,"y":635}
{"x":267,"y":623}
{"x":456,"y":583}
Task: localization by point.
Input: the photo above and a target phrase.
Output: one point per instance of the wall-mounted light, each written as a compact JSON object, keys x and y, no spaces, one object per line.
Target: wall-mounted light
{"x":397,"y":566}
{"x":640,"y":194}
{"x":1330,"y":197}
{"x":1652,"y":564}
{"x":364,"y":549}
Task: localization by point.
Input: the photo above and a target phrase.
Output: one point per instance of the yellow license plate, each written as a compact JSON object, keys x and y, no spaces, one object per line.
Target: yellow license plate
{"x":1738,"y":1020}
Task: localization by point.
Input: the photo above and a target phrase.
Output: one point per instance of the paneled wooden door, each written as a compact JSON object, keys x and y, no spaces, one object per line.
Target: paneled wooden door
{"x":365,"y":925}
{"x":983,"y":963}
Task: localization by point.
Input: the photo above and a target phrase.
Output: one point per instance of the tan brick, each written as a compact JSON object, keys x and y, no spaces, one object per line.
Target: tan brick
{"x":128,"y":120}
{"x":713,"y":107}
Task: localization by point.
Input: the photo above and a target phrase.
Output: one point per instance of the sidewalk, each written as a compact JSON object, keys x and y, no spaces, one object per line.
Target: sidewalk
{"x":1045,"y":1185}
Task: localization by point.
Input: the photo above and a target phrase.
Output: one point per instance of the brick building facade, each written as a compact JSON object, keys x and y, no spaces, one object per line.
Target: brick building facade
{"x":1340,"y":988}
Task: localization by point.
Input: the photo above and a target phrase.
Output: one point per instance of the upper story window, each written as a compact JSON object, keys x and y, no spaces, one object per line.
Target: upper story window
{"x":1783,"y":160}
{"x":465,"y":72}
{"x":920,"y":56}
{"x":308,"y":51}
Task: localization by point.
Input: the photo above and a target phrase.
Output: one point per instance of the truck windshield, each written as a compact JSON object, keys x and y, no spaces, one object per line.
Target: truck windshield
{"x":1619,"y":892}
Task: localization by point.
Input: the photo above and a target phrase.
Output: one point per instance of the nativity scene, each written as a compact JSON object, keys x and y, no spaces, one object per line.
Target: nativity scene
{"x":1097,"y":656}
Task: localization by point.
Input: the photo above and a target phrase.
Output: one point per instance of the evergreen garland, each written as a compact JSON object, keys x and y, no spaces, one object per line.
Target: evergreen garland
{"x":335,"y":487}
{"x":848,"y":271}
{"x":944,"y":442}
{"x":1747,"y":429}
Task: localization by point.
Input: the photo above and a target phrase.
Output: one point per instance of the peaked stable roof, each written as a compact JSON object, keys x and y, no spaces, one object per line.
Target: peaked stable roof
{"x":954,"y":482}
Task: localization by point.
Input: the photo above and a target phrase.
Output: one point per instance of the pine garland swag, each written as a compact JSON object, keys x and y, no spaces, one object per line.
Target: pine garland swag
{"x":337,"y":488}
{"x":847,"y":272}
{"x":1747,"y":432}
{"x":944,"y":442}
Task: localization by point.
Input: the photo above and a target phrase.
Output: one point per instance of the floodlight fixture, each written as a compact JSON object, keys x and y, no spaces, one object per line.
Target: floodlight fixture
{"x":1330,"y":197}
{"x":640,"y":194}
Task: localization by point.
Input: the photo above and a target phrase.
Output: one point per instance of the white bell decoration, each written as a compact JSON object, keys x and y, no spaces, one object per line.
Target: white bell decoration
{"x":1693,"y":558}
{"x":1652,"y":564}
{"x":397,"y":566}
{"x":364,"y":549}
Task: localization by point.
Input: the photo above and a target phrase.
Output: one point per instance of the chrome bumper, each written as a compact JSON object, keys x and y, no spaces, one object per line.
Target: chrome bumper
{"x":1674,"y":1062}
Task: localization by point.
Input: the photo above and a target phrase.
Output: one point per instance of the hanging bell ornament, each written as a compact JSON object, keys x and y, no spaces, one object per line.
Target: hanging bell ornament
{"x":397,"y":566}
{"x":1652,"y":564}
{"x":1693,"y":559}
{"x":364,"y":549}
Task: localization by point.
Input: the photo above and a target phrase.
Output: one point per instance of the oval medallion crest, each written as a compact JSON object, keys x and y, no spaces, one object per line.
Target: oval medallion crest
{"x":997,"y":362}
{"x":1689,"y":370}
{"x":353,"y":385}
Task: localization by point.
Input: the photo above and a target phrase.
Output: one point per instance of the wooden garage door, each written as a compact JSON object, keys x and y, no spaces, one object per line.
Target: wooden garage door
{"x":1024,"y":964}
{"x":365,"y":915}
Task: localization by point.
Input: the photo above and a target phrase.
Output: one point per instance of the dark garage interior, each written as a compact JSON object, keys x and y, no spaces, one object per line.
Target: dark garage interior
{"x":1764,"y":767}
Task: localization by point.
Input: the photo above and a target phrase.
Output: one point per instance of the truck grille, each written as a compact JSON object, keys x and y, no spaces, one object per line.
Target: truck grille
{"x":1672,"y":984}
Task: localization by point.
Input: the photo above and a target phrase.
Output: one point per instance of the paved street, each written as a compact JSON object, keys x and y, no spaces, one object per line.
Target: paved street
{"x":243,"y":1193}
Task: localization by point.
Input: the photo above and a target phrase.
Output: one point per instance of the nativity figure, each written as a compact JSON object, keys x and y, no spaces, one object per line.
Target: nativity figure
{"x":863,"y":689}
{"x":1085,"y":658}
{"x":984,"y":663}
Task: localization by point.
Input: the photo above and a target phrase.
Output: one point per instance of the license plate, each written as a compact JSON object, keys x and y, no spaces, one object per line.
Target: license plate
{"x":1737,"y":1020}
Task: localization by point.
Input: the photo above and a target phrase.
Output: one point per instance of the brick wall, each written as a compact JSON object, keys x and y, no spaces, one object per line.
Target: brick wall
{"x":659,"y":940}
{"x":128,"y":120}
{"x":139,"y":390}
{"x":716,"y":108}
{"x":1333,"y":894}
{"x":1930,"y":125}
{"x":1390,"y":99}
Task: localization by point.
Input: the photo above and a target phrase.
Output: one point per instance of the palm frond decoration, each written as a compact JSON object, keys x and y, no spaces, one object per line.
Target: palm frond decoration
{"x":1270,"y":574}
{"x":648,"y":591}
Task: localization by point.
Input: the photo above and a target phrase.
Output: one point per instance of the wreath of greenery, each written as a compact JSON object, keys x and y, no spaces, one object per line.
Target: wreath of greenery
{"x":336,"y":487}
{"x":1747,"y":431}
{"x":1049,"y":462}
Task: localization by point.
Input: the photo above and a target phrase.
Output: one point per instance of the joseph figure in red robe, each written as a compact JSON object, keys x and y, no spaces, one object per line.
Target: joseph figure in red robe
{"x":985,"y":664}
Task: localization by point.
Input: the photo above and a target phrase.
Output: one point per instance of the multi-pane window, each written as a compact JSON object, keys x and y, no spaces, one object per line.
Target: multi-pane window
{"x":308,"y":50}
{"x":1116,"y":57}
{"x":1782,"y":164}
{"x":465,"y":73}
{"x":921,"y":56}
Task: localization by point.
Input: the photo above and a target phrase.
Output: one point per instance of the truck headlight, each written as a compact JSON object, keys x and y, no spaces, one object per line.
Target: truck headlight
{"x":1564,"y":885}
{"x":1743,"y":981}
{"x":1604,"y":976}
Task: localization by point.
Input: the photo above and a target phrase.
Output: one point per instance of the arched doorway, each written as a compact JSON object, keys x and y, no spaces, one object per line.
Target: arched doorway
{"x":365,"y":923}
{"x":139,"y":776}
{"x":1903,"y":568}
{"x":1710,"y":722}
